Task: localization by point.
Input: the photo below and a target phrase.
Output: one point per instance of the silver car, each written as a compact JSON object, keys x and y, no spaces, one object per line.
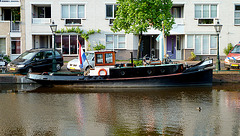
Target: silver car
{"x":74,"y":65}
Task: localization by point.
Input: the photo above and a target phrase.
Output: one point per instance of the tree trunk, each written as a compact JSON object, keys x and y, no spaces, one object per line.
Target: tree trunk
{"x":139,"y":46}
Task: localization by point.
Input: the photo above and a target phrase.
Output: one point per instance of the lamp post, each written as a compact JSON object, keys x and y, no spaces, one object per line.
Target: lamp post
{"x":54,"y":62}
{"x":218,"y":28}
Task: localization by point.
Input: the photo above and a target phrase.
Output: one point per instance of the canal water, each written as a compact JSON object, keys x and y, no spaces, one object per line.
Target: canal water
{"x":190,"y":111}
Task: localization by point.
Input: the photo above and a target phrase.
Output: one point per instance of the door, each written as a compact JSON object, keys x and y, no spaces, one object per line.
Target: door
{"x":171,"y":46}
{"x":39,"y":62}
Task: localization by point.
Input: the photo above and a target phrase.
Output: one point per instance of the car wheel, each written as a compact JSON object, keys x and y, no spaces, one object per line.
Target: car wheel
{"x":227,"y":68}
{"x":29,"y":70}
{"x":58,"y":67}
{"x":88,"y":68}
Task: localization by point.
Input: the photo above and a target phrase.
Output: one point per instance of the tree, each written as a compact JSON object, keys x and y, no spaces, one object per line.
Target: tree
{"x":136,"y":16}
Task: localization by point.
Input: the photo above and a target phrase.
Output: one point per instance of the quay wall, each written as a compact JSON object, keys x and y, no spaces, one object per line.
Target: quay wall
{"x":226,"y":77}
{"x":218,"y":77}
{"x":14,"y":79}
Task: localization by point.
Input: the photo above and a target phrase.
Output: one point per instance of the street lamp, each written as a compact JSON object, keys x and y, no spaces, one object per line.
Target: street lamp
{"x":54,"y":62}
{"x":218,"y":28}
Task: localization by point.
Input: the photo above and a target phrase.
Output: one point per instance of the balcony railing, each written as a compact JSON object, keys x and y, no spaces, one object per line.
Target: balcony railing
{"x":9,"y":0}
{"x":15,"y":26}
{"x":179,"y":20}
{"x":41,"y":20}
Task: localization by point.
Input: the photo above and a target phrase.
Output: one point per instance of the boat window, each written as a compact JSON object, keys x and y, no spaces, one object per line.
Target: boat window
{"x":108,"y":58}
{"x":99,"y":59}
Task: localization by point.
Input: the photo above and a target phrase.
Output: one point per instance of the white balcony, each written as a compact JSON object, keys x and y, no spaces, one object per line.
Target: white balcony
{"x":9,"y":0}
{"x":41,"y":20}
{"x":179,"y":20}
{"x":15,"y":26}
{"x":10,"y":3}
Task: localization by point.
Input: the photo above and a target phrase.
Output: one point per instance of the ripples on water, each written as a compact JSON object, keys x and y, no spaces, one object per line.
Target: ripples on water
{"x":148,"y":111}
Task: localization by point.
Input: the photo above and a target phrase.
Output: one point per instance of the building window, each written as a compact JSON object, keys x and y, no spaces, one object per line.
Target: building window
{"x":68,"y":43}
{"x":115,"y":42}
{"x":202,"y":44}
{"x":73,"y":11}
{"x":177,"y":12}
{"x":111,"y":10}
{"x":44,"y":12}
{"x":237,"y":15}
{"x":2,"y":46}
{"x":16,"y":45}
{"x":206,"y":13}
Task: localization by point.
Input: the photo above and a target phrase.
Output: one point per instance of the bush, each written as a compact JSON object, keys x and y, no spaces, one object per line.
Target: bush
{"x":228,"y":49}
{"x":99,"y":47}
{"x":7,"y":58}
{"x":193,"y":57}
{"x":137,"y":62}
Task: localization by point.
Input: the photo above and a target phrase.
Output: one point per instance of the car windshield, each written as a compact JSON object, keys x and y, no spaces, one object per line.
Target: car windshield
{"x":27,"y":55}
{"x":236,"y":49}
{"x":89,"y":56}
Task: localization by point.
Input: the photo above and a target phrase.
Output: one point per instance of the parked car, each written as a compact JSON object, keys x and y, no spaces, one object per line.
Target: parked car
{"x":35,"y":60}
{"x":74,"y":65}
{"x":232,"y":60}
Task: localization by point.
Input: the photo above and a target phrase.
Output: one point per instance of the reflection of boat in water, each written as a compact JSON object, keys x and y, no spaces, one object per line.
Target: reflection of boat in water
{"x":17,"y":87}
{"x":107,"y":74}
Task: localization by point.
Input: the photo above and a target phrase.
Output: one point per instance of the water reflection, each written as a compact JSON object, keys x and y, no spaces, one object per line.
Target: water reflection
{"x":122,"y":111}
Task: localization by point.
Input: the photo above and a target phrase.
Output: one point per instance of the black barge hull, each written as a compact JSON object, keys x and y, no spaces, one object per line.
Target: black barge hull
{"x":203,"y":77}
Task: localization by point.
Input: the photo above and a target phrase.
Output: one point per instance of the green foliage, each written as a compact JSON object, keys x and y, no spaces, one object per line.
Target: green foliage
{"x":138,"y":15}
{"x":193,"y":56}
{"x":85,"y":36}
{"x":16,"y":14}
{"x":91,"y":32}
{"x":79,"y":31}
{"x":137,"y":62}
{"x":99,"y":47}
{"x":98,"y":31}
{"x":7,"y":58}
{"x":228,"y":49}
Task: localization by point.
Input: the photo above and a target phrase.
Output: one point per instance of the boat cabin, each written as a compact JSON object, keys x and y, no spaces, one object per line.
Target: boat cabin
{"x":104,"y":60}
{"x":105,"y":65}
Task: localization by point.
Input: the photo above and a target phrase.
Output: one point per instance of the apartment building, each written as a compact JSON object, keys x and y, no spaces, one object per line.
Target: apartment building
{"x":11,"y":35}
{"x":193,"y":31}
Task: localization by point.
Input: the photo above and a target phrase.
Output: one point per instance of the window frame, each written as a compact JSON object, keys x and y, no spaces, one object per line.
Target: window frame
{"x":202,"y":42}
{"x":118,"y":42}
{"x":5,"y":41}
{"x":202,"y":11}
{"x":14,"y":40}
{"x":236,"y":18}
{"x":69,"y":11}
{"x":209,"y":20}
{"x":113,"y":10}
{"x":69,"y":42}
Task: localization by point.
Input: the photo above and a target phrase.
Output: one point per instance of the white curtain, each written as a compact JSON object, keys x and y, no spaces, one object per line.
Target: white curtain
{"x":65,"y":11}
{"x":213,"y":11}
{"x":73,"y":11}
{"x":205,"y":44}
{"x":205,"y":11}
{"x":190,"y":41}
{"x":81,"y":11}
{"x":198,"y":44}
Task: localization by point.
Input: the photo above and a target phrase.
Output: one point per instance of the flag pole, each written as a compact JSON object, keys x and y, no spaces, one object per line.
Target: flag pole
{"x":79,"y":47}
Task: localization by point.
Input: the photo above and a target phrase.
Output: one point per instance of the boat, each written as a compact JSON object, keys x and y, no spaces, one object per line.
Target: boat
{"x":109,"y":74}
